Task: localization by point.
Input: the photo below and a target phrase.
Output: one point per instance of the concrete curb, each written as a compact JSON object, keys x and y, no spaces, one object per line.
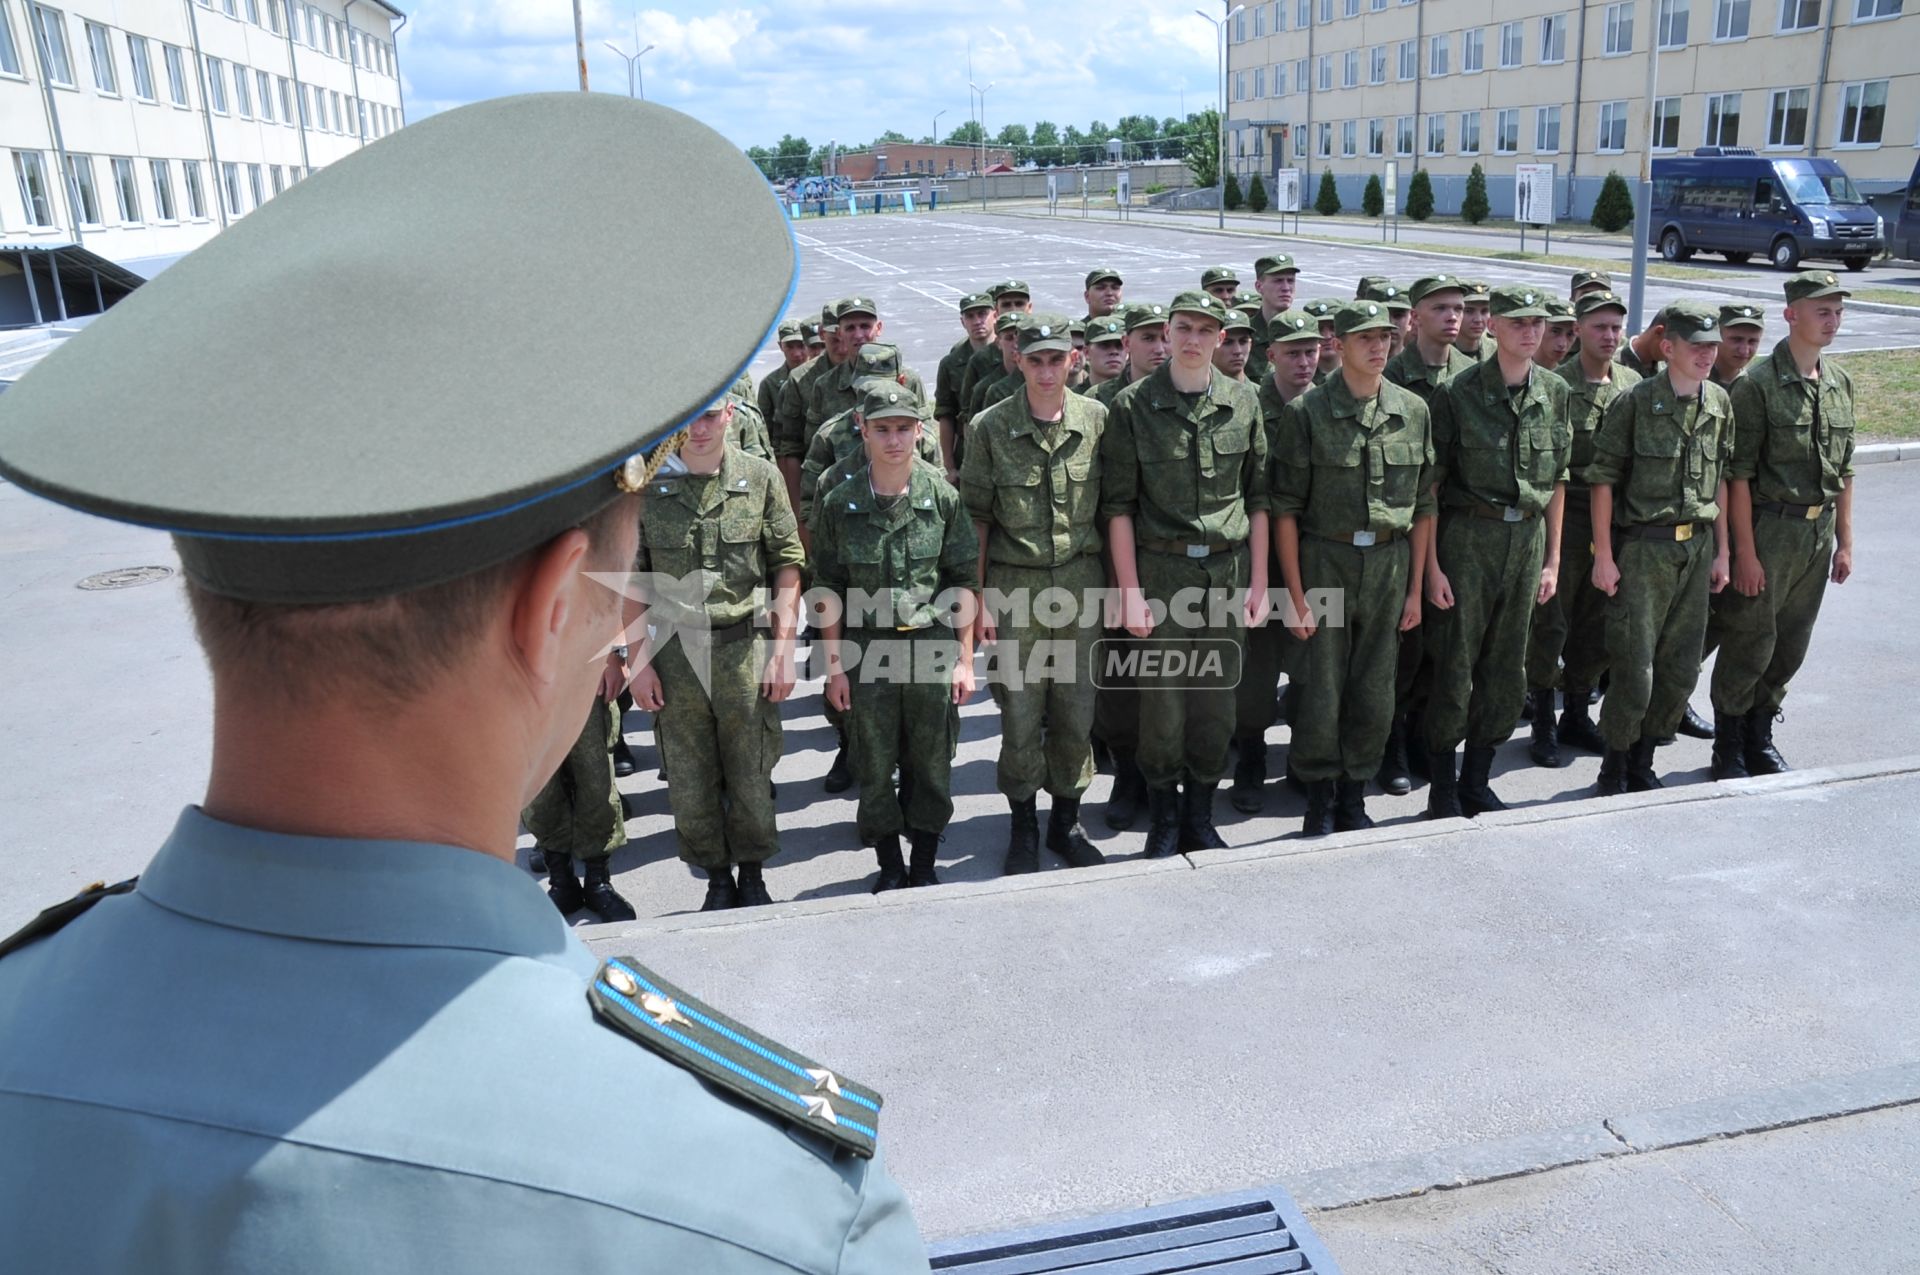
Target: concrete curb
{"x":1880,"y":453}
{"x":1473,"y":1164}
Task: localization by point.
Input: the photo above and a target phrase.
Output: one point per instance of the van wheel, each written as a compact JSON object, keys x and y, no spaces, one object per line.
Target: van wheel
{"x":1739,"y":258}
{"x":1673,"y":247}
{"x":1785,"y":254}
{"x":1856,"y":263}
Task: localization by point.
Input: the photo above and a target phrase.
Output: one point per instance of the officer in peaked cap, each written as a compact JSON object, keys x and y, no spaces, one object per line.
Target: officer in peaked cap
{"x":333,"y":1027}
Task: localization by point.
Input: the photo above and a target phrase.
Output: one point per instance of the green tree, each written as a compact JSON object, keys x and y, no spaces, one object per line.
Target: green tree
{"x":891,"y":136}
{"x":1373,"y":200}
{"x":1140,"y":133}
{"x":967,"y":134}
{"x":1614,"y":209}
{"x":1327,"y":203}
{"x":1231,"y":195}
{"x":1420,"y":196}
{"x":1257,"y":195}
{"x":1013,"y":135}
{"x":1046,"y":144}
{"x":1203,"y":147}
{"x":1474,"y":208}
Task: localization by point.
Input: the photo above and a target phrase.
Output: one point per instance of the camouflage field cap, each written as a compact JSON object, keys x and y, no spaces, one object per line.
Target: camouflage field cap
{"x":1386,"y":292}
{"x":1290,"y":326}
{"x":789,"y":330}
{"x":1693,"y":321}
{"x":810,"y":332}
{"x":1219,"y":274}
{"x":1107,"y":328}
{"x":1201,"y":303}
{"x":1559,"y":311}
{"x":1361,"y":316}
{"x":1045,"y":332}
{"x":887,"y":399}
{"x":1274,"y":263}
{"x":1602,"y":300}
{"x":434,"y":457}
{"x":1234,"y":319}
{"x":1518,"y":301}
{"x":1426,"y":285}
{"x":857,"y":305}
{"x":876,"y":358}
{"x":1103,"y":274}
{"x":1008,"y":321}
{"x":1809,"y":284}
{"x":1591,"y":278}
{"x":1744,"y":315}
{"x":830,"y":317}
{"x":1012,"y":288}
{"x":976,"y":301}
{"x":1322,"y":308}
{"x":1478,"y":291}
{"x":1147,"y":314}
{"x":1077,"y":327}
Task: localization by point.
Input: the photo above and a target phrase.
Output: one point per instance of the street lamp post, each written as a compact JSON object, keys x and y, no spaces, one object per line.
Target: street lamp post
{"x":1643,"y":203}
{"x":983,"y":138}
{"x":632,"y":61}
{"x":936,"y":125}
{"x":1220,"y":165}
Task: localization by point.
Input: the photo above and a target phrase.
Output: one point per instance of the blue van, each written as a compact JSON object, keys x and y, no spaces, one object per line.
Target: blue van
{"x":1906,"y":234}
{"x":1730,"y":200}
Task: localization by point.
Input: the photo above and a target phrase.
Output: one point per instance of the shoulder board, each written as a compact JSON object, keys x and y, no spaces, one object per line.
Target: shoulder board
{"x":639,"y":1003}
{"x":60,"y":915}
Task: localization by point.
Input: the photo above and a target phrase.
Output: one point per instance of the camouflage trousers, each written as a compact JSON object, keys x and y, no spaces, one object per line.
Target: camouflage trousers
{"x":1192,"y":713}
{"x":1570,"y":628}
{"x":903,"y":715}
{"x":1656,"y":623}
{"x":1270,"y":651}
{"x":722,"y":740}
{"x":1046,"y":724}
{"x":578,"y":812}
{"x":1479,"y":647}
{"x":1341,"y":705}
{"x":1764,"y":640}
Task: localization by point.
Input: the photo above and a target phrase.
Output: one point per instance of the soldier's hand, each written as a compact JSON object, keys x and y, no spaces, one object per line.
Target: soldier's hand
{"x":1410,"y":613}
{"x":839,"y":692}
{"x":1255,"y":609}
{"x":1439,"y":589}
{"x":646,"y":689}
{"x":963,"y":683}
{"x":1749,"y":577}
{"x":1718,"y":575}
{"x":613,"y":678}
{"x":1842,"y":565}
{"x":1549,"y":585}
{"x":989,"y":630}
{"x":1136,"y":617}
{"x":776,"y":681}
{"x":1606,"y":577}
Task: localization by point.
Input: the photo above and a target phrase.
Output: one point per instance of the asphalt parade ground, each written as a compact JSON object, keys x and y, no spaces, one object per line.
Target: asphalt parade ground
{"x":1675,"y":1032}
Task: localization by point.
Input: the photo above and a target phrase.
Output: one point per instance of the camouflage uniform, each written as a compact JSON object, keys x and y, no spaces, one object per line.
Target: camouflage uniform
{"x":577,"y":812}
{"x":837,"y":454}
{"x":722,"y":738}
{"x":748,"y":431}
{"x":835,"y":392}
{"x":789,"y":426}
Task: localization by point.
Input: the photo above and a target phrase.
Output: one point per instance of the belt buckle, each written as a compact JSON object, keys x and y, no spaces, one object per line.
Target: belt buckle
{"x":1683,"y":532}
{"x":1364,"y":539}
{"x":1198,"y":551}
{"x":905,"y":628}
{"x":1511,"y":513}
{"x":1814,"y":512}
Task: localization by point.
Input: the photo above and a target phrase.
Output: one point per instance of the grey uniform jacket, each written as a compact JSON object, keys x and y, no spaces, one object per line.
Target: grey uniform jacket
{"x":297,"y":1054}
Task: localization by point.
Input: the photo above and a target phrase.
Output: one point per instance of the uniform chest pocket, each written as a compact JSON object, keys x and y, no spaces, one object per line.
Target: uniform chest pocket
{"x":1397,"y":479}
{"x":1790,"y":429}
{"x":1836,"y":421}
{"x":1226,"y":446}
{"x":863,"y":553}
{"x":740,"y":526}
{"x":925,"y":538}
{"x":1337,"y":449}
{"x":1539,"y":454}
{"x":674,"y":545}
{"x":1158,"y":443}
{"x":1020,"y":498}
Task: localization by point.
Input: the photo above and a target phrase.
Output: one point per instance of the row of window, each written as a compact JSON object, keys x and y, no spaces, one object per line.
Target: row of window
{"x":1731,"y":17}
{"x":314,"y":29}
{"x":1862,"y":117}
{"x":322,"y":109}
{"x":237,"y":181}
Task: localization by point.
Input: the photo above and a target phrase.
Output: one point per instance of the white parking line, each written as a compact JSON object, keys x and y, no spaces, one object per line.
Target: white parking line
{"x":861,"y":261}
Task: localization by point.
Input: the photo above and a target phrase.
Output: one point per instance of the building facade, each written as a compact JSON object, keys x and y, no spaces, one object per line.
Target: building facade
{"x":137,"y":129}
{"x":1441,"y":85}
{"x":913,"y":159}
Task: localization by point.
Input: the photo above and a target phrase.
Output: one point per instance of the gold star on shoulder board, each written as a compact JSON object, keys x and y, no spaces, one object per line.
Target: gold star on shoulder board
{"x":820,"y":1108}
{"x":824,"y":1081}
{"x":663,"y":1011}
{"x":622,"y":982}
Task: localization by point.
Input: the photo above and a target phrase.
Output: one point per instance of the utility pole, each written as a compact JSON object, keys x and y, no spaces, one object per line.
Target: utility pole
{"x":1643,"y":201}
{"x":580,"y":45}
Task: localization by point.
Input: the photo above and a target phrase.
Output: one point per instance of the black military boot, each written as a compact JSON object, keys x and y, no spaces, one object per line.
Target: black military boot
{"x":1350,"y":805}
{"x":1066,"y":838}
{"x":602,"y":899}
{"x":1319,"y":818}
{"x":1613,"y":773}
{"x":1443,"y":794}
{"x":1576,"y":728}
{"x":722,"y":893}
{"x":1393,"y":777}
{"x":1640,"y":776}
{"x":1694,"y":726}
{"x":926,"y":850}
{"x":1163,"y":822}
{"x":537,"y":860}
{"x":624,"y":763}
{"x":1729,"y":746}
{"x":1476,"y":797}
{"x":1123,"y":802}
{"x":1248,"y":792}
{"x":562,"y":886}
{"x":1023,"y":843}
{"x":753,"y":887}
{"x":1544,"y":747}
{"x":1102,"y":759}
{"x":1762,"y":757}
{"x":1196,"y":817}
{"x":893,"y":868}
{"x":1419,"y":760}
{"x":840,"y":774}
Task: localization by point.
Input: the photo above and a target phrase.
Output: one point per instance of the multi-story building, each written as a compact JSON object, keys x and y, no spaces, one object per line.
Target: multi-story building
{"x":137,"y":129}
{"x":1348,"y":85}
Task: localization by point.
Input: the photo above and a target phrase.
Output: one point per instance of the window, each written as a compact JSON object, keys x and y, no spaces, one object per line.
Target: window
{"x":1326,"y":12}
{"x":1619,"y":29}
{"x":1279,"y":90}
{"x":9,"y":51}
{"x":1469,"y":132}
{"x":1259,"y":29}
{"x":81,"y":194}
{"x":1553,"y":38}
{"x":141,"y":60}
{"x":253,"y":12}
{"x":176,"y":73}
{"x":1799,"y":15}
{"x":1403,"y":135}
{"x":1279,"y":25}
{"x":50,"y":30}
{"x":313,"y":28}
{"x":30,"y":170}
{"x":1868,"y":10}
{"x":196,"y":195}
{"x":326,"y":36}
{"x":339,"y":116}
{"x":233,"y":9}
{"x":1326,"y":71}
{"x":280,"y":178}
{"x":1436,"y":134}
{"x":1437,"y":56}
{"x":1666,"y":123}
{"x":1239,"y":86}
{"x":125,"y":192}
{"x":306,"y":120}
{"x":1546,"y":129}
{"x":1326,"y":141}
{"x":1787,"y":118}
{"x":1353,"y":8}
{"x":274,"y":23}
{"x":256,"y":185}
{"x":286,"y":100}
{"x":1300,"y":84}
{"x":1512,"y":37}
{"x":1731,"y":18}
{"x":1863,"y":114}
{"x":100,"y":52}
{"x":1377,"y":65}
{"x":1303,"y":14}
{"x":1506,"y":131}
{"x":1409,"y":59}
{"x":1259,"y":90}
{"x":1350,"y":138}
{"x":1378,"y":6}
{"x":217,"y":85}
{"x":163,"y":209}
{"x":230,"y":184}
{"x":1723,"y":120}
{"x":1239,"y":33}
{"x":242,"y":95}
{"x":1473,"y":51}
{"x":1376,"y":137}
{"x":1613,"y":127}
{"x":1350,"y":69}
{"x":1673,"y":23}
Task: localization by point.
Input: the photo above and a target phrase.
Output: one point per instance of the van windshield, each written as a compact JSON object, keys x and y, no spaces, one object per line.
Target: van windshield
{"x":1821,"y":188}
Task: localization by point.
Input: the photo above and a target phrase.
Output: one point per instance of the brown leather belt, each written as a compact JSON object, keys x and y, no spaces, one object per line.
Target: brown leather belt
{"x":1780,"y":509}
{"x":1497,"y":513}
{"x":1183,"y":549}
{"x":1675,"y":531}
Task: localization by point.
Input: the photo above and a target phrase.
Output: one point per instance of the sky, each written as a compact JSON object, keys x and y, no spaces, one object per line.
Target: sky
{"x":827,"y":72}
